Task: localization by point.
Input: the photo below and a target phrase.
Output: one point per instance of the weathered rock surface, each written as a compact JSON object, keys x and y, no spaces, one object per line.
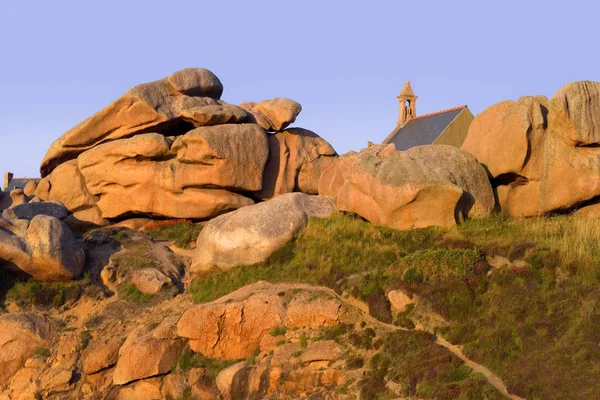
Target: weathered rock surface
{"x":43,"y":248}
{"x":29,"y":210}
{"x":29,"y":189}
{"x":20,"y":336}
{"x":171,"y":148}
{"x":233,"y":326}
{"x":190,"y":177}
{"x":150,"y":107}
{"x":149,"y":280}
{"x":101,"y":354}
{"x":274,"y":114}
{"x":231,"y":330}
{"x":423,"y":186}
{"x":17,"y":197}
{"x":542,"y":154}
{"x":297,"y":157}
{"x":67,"y":186}
{"x":143,"y":356}
{"x":251,"y":234}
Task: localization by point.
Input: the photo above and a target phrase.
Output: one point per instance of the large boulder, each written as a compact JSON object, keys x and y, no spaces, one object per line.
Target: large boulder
{"x":434,"y":185}
{"x":251,"y":234}
{"x":542,"y":154}
{"x":67,"y":186}
{"x":20,"y":336}
{"x":150,"y":107}
{"x":233,"y":326}
{"x":43,"y":248}
{"x":231,"y":330}
{"x":192,"y":176}
{"x":29,"y":210}
{"x":274,"y":114}
{"x":297,"y":157}
{"x":102,"y":353}
{"x":143,"y":355}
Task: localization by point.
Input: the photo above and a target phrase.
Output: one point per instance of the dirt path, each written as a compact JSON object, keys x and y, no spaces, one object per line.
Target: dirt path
{"x":492,"y":378}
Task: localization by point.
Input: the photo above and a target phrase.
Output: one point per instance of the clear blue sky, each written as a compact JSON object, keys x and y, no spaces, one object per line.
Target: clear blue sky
{"x":344,"y":61}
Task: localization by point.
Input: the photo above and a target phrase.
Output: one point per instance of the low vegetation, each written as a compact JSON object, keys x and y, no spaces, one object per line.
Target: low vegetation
{"x":40,"y":295}
{"x":533,"y":322}
{"x":189,"y":360}
{"x":182,"y":232}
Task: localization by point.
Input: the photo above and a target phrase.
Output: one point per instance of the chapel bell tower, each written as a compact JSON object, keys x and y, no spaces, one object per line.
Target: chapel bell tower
{"x":408,"y":104}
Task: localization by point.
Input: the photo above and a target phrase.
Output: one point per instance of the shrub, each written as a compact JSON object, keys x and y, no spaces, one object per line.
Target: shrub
{"x":43,"y":352}
{"x":303,"y":340}
{"x":85,"y":337}
{"x":278,"y":331}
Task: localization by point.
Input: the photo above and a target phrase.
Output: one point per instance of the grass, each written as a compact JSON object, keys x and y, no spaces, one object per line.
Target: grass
{"x":189,"y":360}
{"x":327,"y":251}
{"x":43,"y":294}
{"x":181,"y":232}
{"x":85,"y":337}
{"x":278,"y":331}
{"x":133,"y":295}
{"x":423,"y":370}
{"x":43,"y":352}
{"x":534,"y":325}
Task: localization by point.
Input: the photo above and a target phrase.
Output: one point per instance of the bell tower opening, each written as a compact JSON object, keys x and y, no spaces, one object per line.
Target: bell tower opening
{"x":408,"y":104}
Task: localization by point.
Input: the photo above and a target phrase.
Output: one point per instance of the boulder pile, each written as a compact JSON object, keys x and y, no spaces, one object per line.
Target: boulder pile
{"x":542,"y":155}
{"x":171,"y":148}
{"x":34,"y":242}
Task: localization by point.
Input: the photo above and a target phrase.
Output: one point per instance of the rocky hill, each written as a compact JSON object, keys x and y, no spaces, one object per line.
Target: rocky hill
{"x":181,"y":247}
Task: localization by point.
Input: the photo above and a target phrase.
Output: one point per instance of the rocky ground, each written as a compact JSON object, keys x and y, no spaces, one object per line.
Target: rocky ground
{"x":182,"y":247}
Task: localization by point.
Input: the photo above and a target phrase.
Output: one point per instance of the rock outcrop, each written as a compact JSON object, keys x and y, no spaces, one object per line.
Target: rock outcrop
{"x":542,"y":154}
{"x":171,"y":148}
{"x":232,"y":327}
{"x":20,"y":336}
{"x":251,"y":234}
{"x":423,"y":186}
{"x":143,"y":355}
{"x":43,"y":248}
{"x":297,"y":157}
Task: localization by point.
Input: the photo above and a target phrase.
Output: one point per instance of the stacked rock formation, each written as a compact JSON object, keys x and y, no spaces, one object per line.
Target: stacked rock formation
{"x":423,"y":186}
{"x":34,"y":242}
{"x":172,"y":148}
{"x":543,"y":155}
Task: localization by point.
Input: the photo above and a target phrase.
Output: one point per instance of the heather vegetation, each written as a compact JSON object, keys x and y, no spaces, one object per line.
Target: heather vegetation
{"x":532,"y":321}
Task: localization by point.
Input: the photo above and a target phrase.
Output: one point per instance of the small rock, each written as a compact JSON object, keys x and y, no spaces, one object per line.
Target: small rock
{"x":498,"y":261}
{"x":399,"y":300}
{"x":149,"y":280}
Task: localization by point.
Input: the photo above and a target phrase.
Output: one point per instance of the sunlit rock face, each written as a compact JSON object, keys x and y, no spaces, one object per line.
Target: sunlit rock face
{"x":173,"y":149}
{"x":543,"y":155}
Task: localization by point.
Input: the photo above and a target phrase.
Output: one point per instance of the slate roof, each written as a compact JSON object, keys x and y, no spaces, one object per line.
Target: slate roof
{"x":19,"y":183}
{"x":421,"y":130}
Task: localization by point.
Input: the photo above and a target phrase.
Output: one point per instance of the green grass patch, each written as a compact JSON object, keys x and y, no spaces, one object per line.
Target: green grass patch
{"x":189,"y":360}
{"x":42,"y":351}
{"x":181,"y":232}
{"x":326,"y":251}
{"x":278,"y":331}
{"x":84,"y":339}
{"x":133,"y":295}
{"x":43,"y":294}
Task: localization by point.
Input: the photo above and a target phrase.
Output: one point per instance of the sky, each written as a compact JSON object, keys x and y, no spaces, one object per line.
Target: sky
{"x":344,"y":61}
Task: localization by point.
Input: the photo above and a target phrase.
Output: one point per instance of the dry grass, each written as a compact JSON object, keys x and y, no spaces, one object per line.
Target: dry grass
{"x":575,"y":239}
